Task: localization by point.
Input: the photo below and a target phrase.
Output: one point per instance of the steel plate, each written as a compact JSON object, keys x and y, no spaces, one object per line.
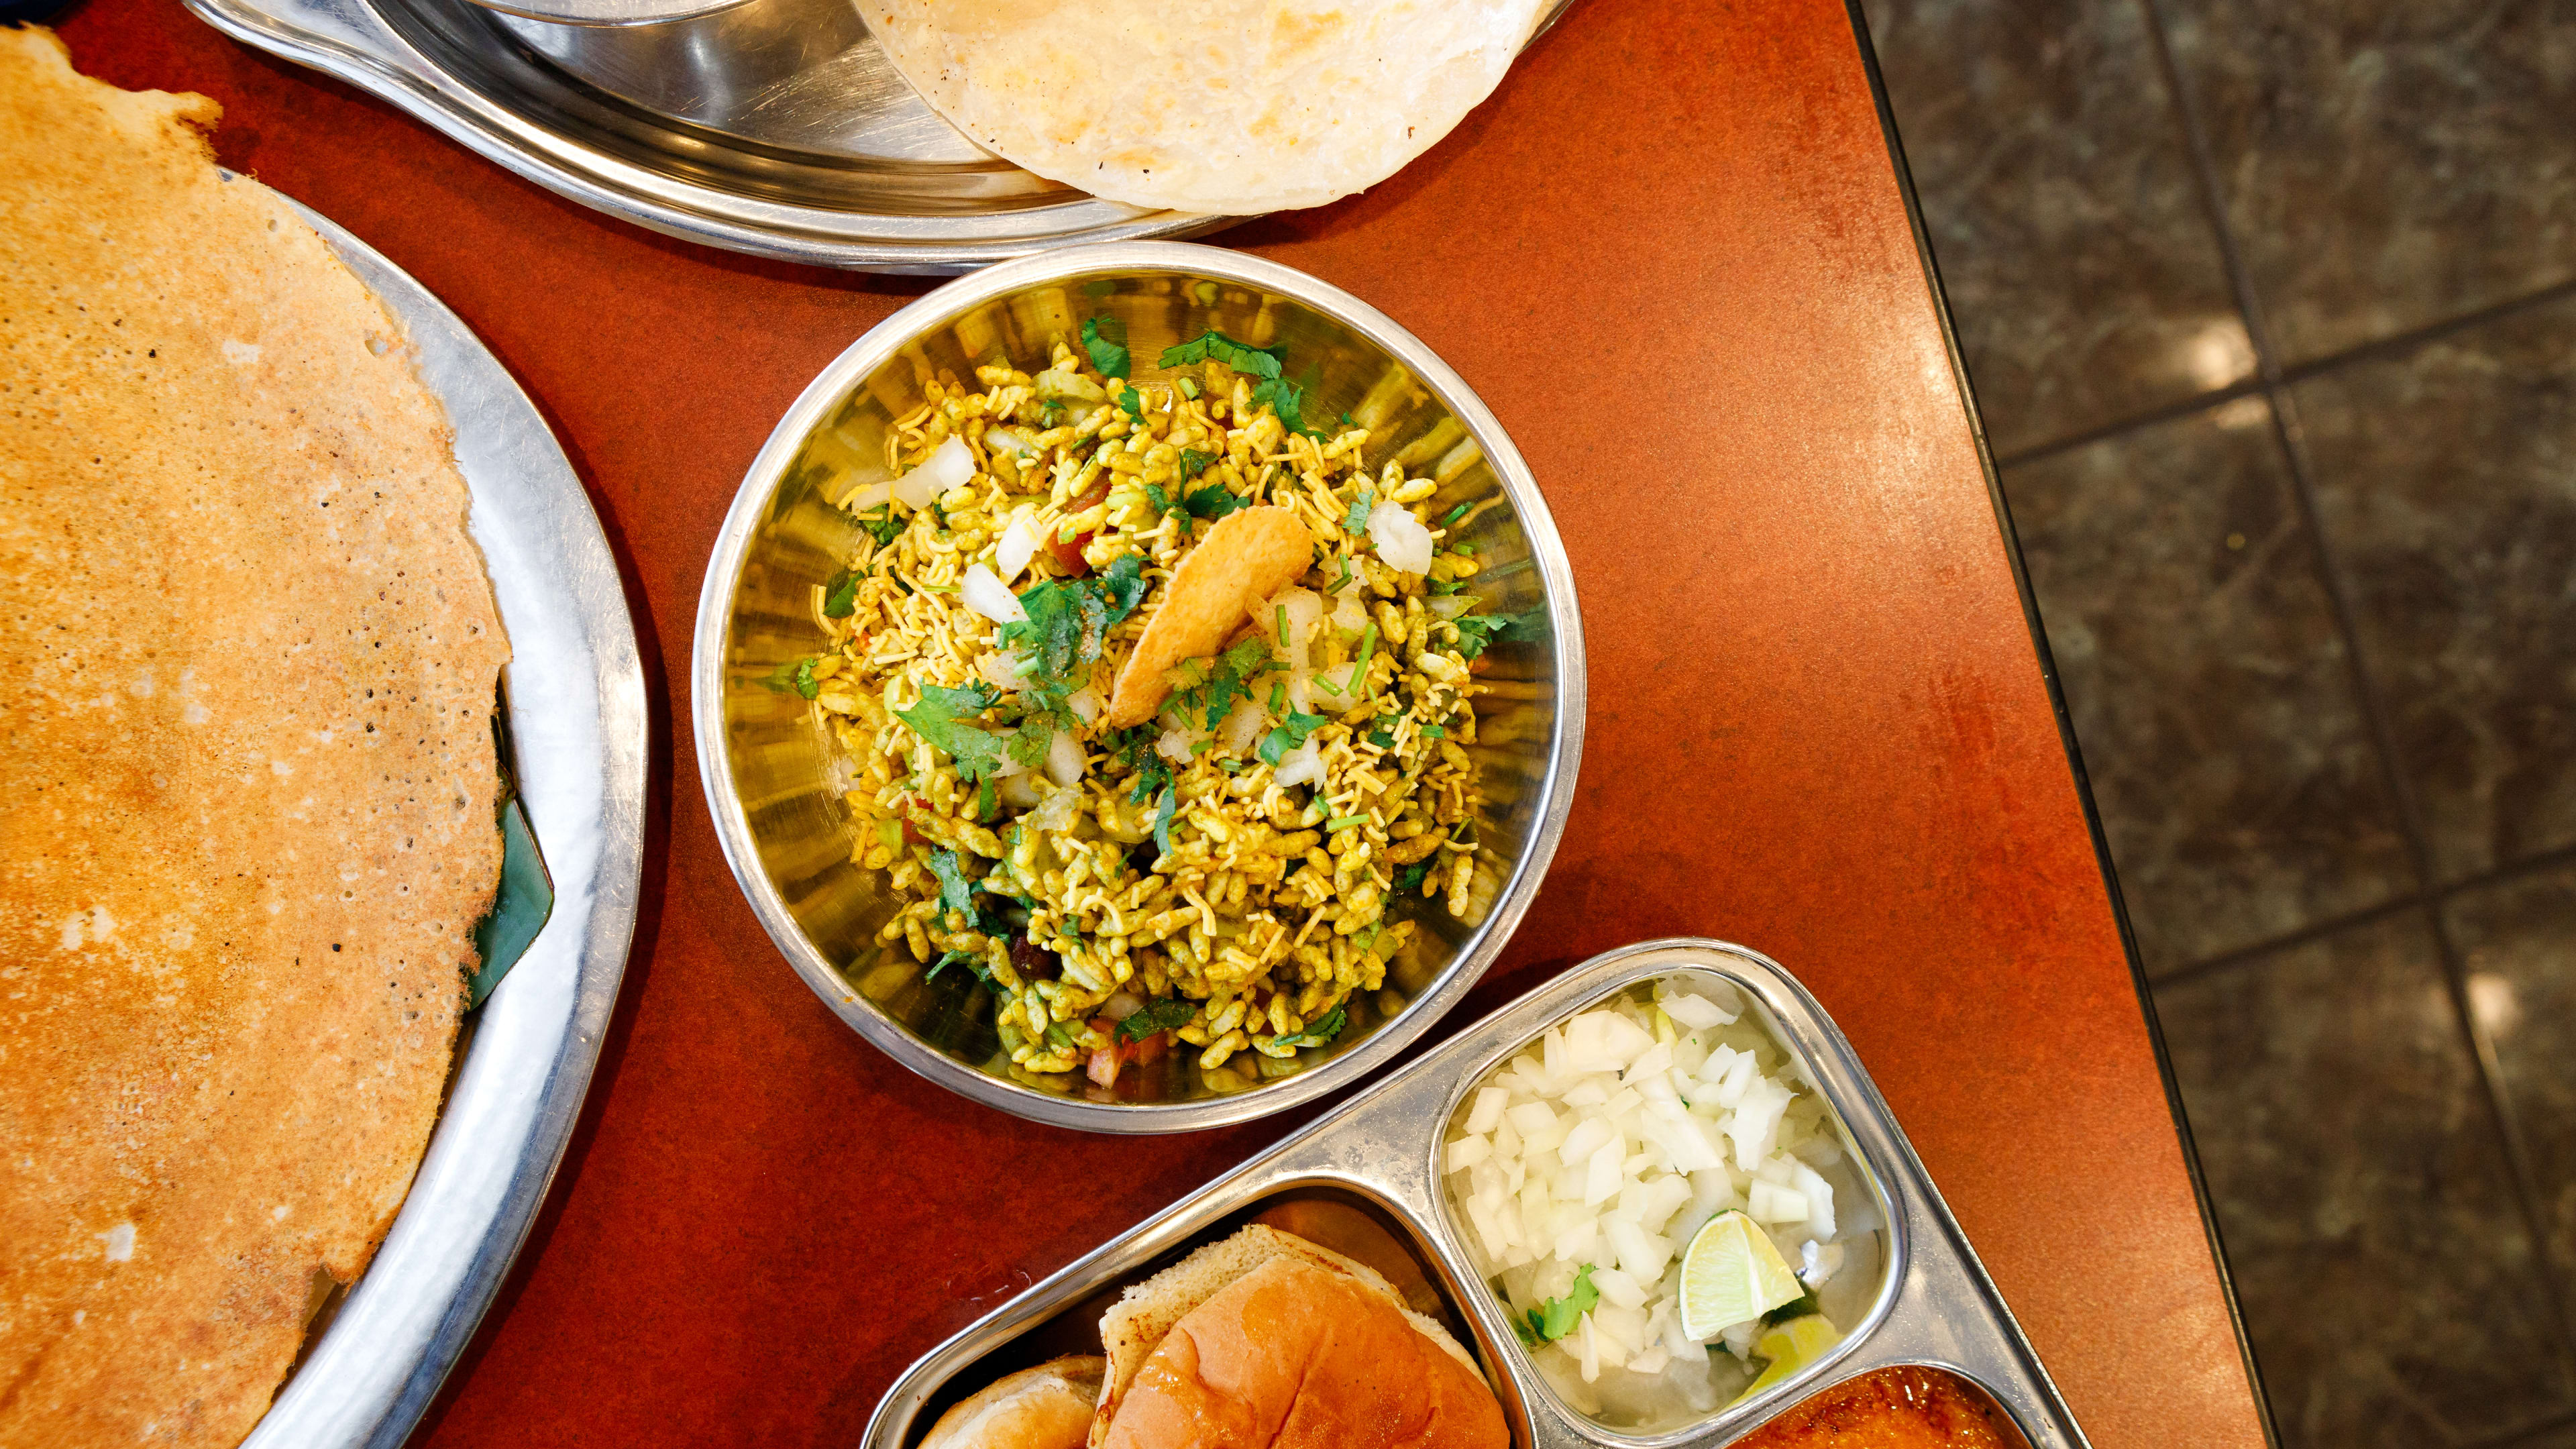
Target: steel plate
{"x":774,"y":127}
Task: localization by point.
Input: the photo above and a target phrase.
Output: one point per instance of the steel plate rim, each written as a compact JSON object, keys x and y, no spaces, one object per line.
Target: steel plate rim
{"x":373,"y":1370}
{"x":880,"y":344}
{"x":370,"y":55}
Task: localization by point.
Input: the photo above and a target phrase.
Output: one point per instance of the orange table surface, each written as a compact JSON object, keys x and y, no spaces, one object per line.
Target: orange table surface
{"x":1672,"y":253}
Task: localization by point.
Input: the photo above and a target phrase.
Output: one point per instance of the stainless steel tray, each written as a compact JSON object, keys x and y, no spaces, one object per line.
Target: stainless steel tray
{"x":1934,"y":1306}
{"x":575,"y":694}
{"x":775,"y":127}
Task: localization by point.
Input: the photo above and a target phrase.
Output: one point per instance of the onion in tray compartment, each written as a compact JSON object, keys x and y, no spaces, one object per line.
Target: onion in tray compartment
{"x":1582,"y":1167}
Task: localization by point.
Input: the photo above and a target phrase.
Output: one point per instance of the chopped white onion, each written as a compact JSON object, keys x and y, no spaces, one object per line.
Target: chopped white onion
{"x":1401,"y":539}
{"x":1450,"y":606}
{"x":1064,"y":761}
{"x":1301,"y":766}
{"x":1018,"y":789}
{"x":1057,"y":811}
{"x":1020,"y":544}
{"x":1241,"y":727}
{"x":1177,"y":744}
{"x":1065,"y":382}
{"x":864,"y":497}
{"x":1604,"y":1143}
{"x":1085,"y":703}
{"x":990,"y":597}
{"x":1001,"y":669}
{"x":950,"y":465}
{"x":1006,"y":440}
{"x":1304,"y":611}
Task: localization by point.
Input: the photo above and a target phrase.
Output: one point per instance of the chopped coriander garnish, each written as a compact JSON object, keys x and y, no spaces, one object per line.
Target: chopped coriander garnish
{"x":1454,"y":514}
{"x":1165,"y":1015}
{"x":1324,"y":1030}
{"x":1338,"y":825}
{"x":1261,"y":362}
{"x":1194,"y":462}
{"x":1290,"y":735}
{"x":1560,"y":1315}
{"x":882,"y":525}
{"x":1214,"y":501}
{"x":1278,"y":695}
{"x":1383,"y":737}
{"x":1132,"y":402}
{"x":1434,"y":732}
{"x":1189,"y":387}
{"x":1476,"y":631}
{"x":841,"y":595}
{"x":1356,"y":520}
{"x":1466,"y":549}
{"x":806,"y":684}
{"x":1410,"y":878}
{"x":1105,"y":338}
{"x":1163,"y":821}
{"x":955,"y":893}
{"x":1368,"y":646}
{"x":941,"y":718}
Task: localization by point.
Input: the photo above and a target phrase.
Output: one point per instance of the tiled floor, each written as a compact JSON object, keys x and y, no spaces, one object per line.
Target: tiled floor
{"x":2270,"y":306}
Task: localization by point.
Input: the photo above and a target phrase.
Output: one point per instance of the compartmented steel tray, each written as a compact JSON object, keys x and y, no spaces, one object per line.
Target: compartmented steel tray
{"x":1378,"y":1153}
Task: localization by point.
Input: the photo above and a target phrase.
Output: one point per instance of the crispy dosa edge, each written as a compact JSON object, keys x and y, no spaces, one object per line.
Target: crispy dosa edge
{"x":248,"y":779}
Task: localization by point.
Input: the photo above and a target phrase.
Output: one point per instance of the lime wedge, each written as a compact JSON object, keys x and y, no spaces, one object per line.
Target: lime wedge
{"x":1790,"y":1347}
{"x":1732,"y":1274}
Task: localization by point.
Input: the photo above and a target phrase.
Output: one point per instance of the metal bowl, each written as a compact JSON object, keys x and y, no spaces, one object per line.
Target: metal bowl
{"x":769,"y":763}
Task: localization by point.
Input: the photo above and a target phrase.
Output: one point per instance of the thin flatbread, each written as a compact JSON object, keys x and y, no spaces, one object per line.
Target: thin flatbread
{"x":248,"y":657}
{"x":1231,"y":107}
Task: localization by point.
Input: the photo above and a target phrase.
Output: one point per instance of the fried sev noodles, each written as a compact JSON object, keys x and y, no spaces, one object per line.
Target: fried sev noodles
{"x":1223,"y":871}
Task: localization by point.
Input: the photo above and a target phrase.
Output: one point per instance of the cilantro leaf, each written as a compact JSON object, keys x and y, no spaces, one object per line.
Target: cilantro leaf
{"x":1105,"y":338}
{"x":1476,"y":631}
{"x":1163,"y":1015}
{"x":794,"y":676}
{"x":941,"y":718}
{"x":1194,"y":462}
{"x":955,"y":893}
{"x":1135,"y":748}
{"x":974,"y":965}
{"x":882,"y":525}
{"x":1383,"y":737}
{"x":1219,"y":682}
{"x":1214,"y":501}
{"x":1410,"y":878}
{"x":1288,"y":400}
{"x":1161,"y":500}
{"x":1241,"y":356}
{"x":1559,"y":1317}
{"x":1163,"y":821}
{"x":841,"y":595}
{"x":1326,"y":1027}
{"x":1063,"y":628}
{"x":1122,"y":586}
{"x":1356,"y":521}
{"x":1290,"y":734}
{"x":1132,"y":402}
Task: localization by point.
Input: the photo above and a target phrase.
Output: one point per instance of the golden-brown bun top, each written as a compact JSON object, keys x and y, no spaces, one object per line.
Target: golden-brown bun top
{"x":1294,"y":1356}
{"x":1047,"y":1407}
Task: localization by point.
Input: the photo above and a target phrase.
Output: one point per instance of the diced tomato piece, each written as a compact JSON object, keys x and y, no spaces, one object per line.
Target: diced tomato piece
{"x":1150,"y":1050}
{"x":1068,"y":552}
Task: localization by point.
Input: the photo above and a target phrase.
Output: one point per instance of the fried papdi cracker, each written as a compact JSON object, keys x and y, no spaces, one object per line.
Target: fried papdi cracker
{"x":1250,"y":555}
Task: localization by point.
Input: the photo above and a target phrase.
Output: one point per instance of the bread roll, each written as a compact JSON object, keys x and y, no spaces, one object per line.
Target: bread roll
{"x":1295,"y":1356}
{"x":1047,"y":1407}
{"x":1137,"y":1322}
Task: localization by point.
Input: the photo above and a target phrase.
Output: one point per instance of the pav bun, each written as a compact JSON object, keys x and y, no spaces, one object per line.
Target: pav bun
{"x":1047,"y":1407}
{"x":1297,"y":1355}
